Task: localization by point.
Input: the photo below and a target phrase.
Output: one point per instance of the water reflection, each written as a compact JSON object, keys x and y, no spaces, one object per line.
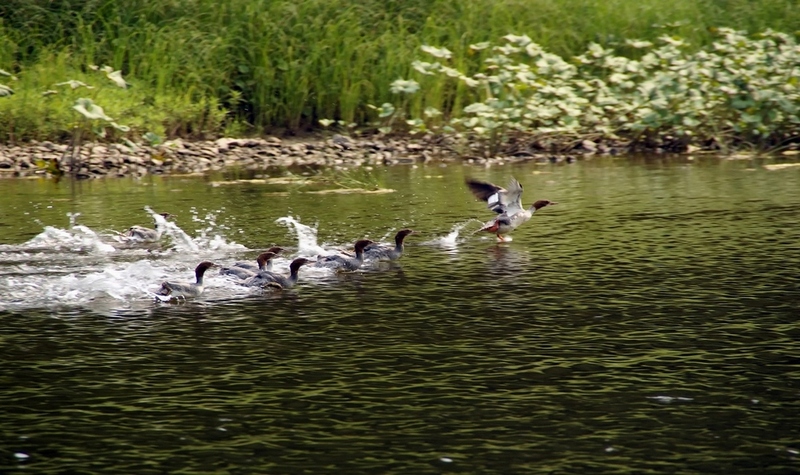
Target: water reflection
{"x":646,"y":324}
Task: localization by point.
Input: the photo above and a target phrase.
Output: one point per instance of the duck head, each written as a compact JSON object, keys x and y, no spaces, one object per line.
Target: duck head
{"x":542,"y":203}
{"x":361,"y":244}
{"x":264,"y":257}
{"x":298,"y":263}
{"x":276,"y":250}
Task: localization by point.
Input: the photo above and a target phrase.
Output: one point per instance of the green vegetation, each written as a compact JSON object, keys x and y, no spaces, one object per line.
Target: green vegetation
{"x":201,"y":68}
{"x":740,"y":91}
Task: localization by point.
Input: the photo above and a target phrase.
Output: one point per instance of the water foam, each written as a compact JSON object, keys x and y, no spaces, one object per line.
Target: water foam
{"x":76,"y":237}
{"x":450,"y":240}
{"x":101,"y":269}
{"x":306,"y":236}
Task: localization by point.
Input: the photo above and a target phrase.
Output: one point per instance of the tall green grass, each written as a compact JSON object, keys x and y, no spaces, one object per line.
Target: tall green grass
{"x":287,"y":64}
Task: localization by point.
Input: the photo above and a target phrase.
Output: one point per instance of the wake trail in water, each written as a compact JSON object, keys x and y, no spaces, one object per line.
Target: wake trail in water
{"x":76,"y":265}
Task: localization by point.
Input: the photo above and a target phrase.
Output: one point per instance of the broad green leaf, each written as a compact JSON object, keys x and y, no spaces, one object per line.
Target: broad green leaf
{"x":640,"y":44}
{"x":432,"y":112}
{"x":518,"y":40}
{"x":407,"y":86}
{"x":443,"y":53}
{"x":74,"y":84}
{"x":386,"y":110}
{"x":90,"y":110}
{"x":116,"y":78}
{"x":121,"y":128}
{"x":152,"y":138}
{"x":424,"y":67}
{"x":480,"y":46}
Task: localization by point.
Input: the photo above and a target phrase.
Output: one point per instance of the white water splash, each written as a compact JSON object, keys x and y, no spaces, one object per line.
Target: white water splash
{"x":449,"y":241}
{"x":78,"y":266}
{"x":306,"y":236}
{"x":76,"y":238}
{"x":209,"y":238}
{"x":212,"y":236}
{"x":116,"y":285}
{"x":308,"y":246}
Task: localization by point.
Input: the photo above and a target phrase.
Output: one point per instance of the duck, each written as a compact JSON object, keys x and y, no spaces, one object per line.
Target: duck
{"x":244,"y":270}
{"x":143,"y":234}
{"x":507,"y":203}
{"x":272,"y":279}
{"x":264,"y":261}
{"x":186,"y":289}
{"x":387,"y":253}
{"x":345,"y":263}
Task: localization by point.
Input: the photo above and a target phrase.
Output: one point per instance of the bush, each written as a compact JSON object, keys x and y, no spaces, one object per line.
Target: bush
{"x":738,"y":90}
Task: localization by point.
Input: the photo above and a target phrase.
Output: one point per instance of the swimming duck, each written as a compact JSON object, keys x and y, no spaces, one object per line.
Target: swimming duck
{"x":387,"y":253}
{"x":264,"y":261}
{"x":143,"y":234}
{"x":272,"y":279}
{"x":343,"y":263}
{"x":243,"y":270}
{"x":184,"y":289}
{"x":507,"y":203}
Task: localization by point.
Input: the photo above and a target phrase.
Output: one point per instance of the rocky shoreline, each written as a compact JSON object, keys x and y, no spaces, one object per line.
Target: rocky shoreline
{"x":96,"y":160}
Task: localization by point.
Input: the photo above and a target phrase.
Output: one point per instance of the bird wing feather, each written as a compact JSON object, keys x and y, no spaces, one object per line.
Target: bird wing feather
{"x":500,"y":200}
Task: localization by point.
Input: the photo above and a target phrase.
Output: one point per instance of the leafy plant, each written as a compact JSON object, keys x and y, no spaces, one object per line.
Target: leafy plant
{"x":739,"y":88}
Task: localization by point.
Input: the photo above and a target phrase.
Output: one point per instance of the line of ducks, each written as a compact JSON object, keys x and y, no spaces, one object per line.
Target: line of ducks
{"x":261,"y":274}
{"x":505,"y":202}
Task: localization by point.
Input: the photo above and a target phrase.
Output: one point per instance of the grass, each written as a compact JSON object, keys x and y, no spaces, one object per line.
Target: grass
{"x":202,"y":67}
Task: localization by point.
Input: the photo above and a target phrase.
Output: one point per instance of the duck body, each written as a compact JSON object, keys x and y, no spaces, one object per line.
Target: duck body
{"x":344,"y":263}
{"x":387,"y":253}
{"x":143,"y":234}
{"x":238,"y":272}
{"x":273,"y":279}
{"x":187,"y":289}
{"x":244,"y":270}
{"x":507,"y":203}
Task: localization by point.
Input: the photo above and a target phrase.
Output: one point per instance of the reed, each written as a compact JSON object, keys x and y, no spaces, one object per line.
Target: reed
{"x":287,"y":64}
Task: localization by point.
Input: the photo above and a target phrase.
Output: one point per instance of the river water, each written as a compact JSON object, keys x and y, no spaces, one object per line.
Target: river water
{"x":648,"y":323}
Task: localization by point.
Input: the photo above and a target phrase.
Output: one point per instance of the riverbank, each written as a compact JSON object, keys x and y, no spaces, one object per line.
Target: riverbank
{"x":98,"y":160}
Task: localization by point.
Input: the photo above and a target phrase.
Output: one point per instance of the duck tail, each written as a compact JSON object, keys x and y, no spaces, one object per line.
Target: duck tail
{"x":490,"y":227}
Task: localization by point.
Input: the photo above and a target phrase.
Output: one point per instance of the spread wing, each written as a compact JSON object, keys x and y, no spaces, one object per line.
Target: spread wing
{"x":499,"y":200}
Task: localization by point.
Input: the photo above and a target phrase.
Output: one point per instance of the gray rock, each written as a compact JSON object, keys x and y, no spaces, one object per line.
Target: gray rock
{"x":589,"y":146}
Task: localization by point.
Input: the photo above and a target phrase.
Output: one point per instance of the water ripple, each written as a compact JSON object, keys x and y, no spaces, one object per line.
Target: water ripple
{"x":646,"y":325}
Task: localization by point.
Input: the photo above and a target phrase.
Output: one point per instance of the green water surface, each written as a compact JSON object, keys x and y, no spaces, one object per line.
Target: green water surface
{"x":646,"y":324}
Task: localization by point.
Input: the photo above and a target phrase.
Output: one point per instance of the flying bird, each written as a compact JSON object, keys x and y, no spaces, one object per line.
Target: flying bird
{"x":507,"y":203}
